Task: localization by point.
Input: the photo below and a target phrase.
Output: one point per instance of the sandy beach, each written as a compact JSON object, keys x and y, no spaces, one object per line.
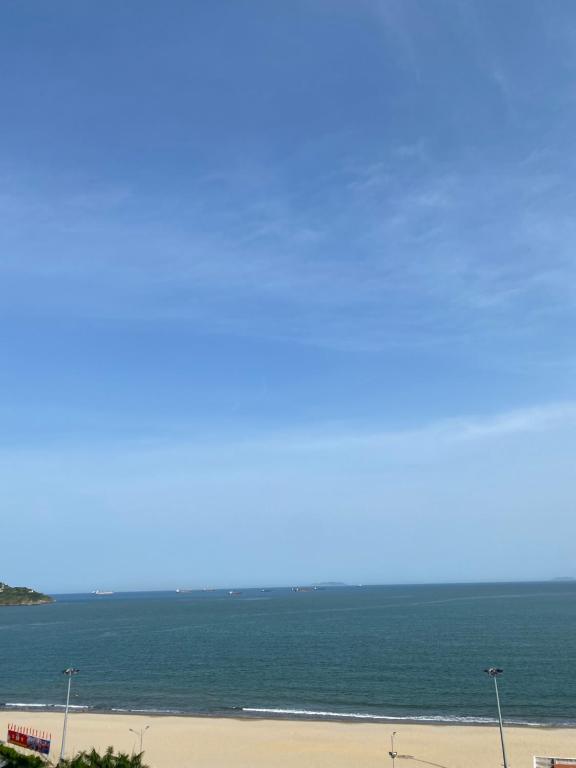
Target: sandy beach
{"x":192,"y":742}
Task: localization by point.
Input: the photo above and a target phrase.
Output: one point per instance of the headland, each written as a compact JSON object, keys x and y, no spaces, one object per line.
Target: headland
{"x":22,"y":596}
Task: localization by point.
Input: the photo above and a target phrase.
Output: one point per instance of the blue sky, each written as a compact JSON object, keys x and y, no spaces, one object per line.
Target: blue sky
{"x":287,"y":291}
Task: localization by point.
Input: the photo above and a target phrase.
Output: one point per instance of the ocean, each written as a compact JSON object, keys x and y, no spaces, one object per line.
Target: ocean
{"x":374,"y":652}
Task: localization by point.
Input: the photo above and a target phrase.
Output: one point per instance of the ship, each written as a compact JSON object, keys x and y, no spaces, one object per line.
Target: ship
{"x":101,"y":592}
{"x":234,"y":593}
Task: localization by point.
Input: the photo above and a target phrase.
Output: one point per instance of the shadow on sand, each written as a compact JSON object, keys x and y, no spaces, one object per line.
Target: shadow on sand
{"x":419,"y":760}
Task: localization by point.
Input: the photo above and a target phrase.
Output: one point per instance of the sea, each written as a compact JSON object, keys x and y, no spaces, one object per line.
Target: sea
{"x":358,"y":653}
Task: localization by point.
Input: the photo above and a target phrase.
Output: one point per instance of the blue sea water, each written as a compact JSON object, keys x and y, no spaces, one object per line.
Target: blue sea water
{"x":400,"y":652}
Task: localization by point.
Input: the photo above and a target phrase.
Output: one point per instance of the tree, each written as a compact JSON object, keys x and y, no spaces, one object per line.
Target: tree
{"x":94,"y":759}
{"x":10,"y":758}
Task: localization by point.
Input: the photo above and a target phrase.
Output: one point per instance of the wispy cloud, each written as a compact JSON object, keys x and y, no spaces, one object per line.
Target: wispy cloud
{"x":436,"y":487}
{"x":398,"y":255}
{"x":445,"y":433}
{"x":463,"y":243}
{"x":423,"y":441}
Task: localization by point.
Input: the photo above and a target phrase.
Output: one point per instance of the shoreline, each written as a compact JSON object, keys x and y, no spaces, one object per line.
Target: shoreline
{"x":240,"y":742}
{"x":292,"y":716}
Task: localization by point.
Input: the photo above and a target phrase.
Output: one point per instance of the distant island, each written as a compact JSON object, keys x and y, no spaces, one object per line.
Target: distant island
{"x":22,"y":596}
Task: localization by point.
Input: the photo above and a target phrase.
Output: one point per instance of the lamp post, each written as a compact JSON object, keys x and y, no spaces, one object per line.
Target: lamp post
{"x":70,"y":672}
{"x":494,"y":673}
{"x":140,"y":734}
{"x":392,"y":752}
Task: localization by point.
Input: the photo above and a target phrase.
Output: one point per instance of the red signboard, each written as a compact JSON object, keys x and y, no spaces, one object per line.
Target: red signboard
{"x":37,"y":741}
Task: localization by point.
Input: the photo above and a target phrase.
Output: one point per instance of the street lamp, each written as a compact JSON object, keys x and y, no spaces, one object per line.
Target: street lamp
{"x":392,"y":752}
{"x":70,"y":672}
{"x":140,"y":734}
{"x":494,"y":673}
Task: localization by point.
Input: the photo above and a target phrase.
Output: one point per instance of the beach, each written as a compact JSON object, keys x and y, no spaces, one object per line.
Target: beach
{"x":202,"y":742}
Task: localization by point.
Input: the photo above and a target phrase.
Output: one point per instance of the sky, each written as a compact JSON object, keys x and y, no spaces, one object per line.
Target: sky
{"x":287,"y":292}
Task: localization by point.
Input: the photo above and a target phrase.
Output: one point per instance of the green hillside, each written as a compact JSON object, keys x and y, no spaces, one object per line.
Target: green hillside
{"x":21,"y":596}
